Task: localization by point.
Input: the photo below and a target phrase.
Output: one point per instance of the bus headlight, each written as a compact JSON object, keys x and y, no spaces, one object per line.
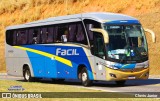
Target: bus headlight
{"x":115,"y":68}
{"x":146,"y":66}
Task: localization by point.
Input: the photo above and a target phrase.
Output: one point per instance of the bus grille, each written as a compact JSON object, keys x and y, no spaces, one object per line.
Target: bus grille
{"x":132,"y":70}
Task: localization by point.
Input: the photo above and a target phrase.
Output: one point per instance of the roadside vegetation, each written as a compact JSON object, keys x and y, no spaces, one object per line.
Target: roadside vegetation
{"x":14,"y":12}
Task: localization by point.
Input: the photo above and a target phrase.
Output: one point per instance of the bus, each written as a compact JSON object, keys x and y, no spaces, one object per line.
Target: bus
{"x":89,"y":46}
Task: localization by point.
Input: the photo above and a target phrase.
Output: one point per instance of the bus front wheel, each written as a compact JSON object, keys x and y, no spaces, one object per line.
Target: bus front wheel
{"x":84,"y":78}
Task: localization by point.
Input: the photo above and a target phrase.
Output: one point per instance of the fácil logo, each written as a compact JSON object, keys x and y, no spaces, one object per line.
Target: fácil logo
{"x":64,"y":52}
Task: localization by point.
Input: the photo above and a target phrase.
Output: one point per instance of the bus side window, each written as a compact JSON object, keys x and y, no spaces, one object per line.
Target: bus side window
{"x":36,"y":36}
{"x":14,"y":37}
{"x":65,"y":34}
{"x":59,"y":33}
{"x":30,"y":39}
{"x":44,"y":35}
{"x":91,"y":24}
{"x":21,"y":37}
{"x":98,"y":49}
{"x":55,"y":33}
{"x":62,"y":30}
{"x":50,"y":36}
{"x":80,"y":36}
{"x":90,"y":33}
{"x":24,"y":36}
{"x":9,"y":37}
{"x":72,"y":33}
{"x":18,"y":37}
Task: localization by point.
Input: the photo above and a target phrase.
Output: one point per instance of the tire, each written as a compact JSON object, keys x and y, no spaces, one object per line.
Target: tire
{"x":121,"y":83}
{"x":27,"y":75}
{"x":85,"y":78}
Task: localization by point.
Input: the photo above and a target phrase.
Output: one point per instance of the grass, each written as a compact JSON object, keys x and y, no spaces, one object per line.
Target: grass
{"x":50,"y":87}
{"x":14,"y":12}
{"x":39,"y":87}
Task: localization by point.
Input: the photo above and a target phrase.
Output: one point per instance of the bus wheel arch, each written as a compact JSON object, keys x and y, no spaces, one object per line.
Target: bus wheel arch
{"x":27,"y":73}
{"x":83,"y":75}
{"x":80,"y":67}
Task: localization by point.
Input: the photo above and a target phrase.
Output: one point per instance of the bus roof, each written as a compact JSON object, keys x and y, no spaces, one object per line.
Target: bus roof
{"x":101,"y":17}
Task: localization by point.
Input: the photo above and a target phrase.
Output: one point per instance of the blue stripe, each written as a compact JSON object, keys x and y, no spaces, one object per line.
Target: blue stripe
{"x":123,"y":22}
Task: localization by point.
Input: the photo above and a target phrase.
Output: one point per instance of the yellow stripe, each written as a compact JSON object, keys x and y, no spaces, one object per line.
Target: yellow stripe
{"x":62,"y":60}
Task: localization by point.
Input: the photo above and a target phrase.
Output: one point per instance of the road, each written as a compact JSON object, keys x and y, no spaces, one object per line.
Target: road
{"x":150,"y":85}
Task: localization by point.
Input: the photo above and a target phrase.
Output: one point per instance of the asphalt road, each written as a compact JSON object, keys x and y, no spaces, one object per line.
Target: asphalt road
{"x":150,"y":85}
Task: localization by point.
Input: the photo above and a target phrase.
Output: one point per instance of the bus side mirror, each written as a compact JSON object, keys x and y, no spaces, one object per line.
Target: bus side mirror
{"x":104,"y":33}
{"x":152,"y":34}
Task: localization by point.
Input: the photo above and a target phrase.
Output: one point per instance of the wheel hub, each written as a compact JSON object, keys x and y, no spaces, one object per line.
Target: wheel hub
{"x":27,"y":75}
{"x":84,"y":76}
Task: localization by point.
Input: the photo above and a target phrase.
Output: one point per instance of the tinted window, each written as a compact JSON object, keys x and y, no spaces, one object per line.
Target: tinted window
{"x":37,"y":37}
{"x":62,"y":30}
{"x":80,"y":35}
{"x":91,"y":24}
{"x":74,"y":32}
{"x":9,"y":37}
{"x":14,"y":37}
{"x":98,"y":47}
{"x":30,"y":34}
{"x":21,"y":37}
{"x":50,"y":35}
{"x":44,"y":35}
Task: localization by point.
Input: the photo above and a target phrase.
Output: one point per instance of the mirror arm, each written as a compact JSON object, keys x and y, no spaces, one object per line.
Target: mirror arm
{"x":152,"y":34}
{"x":104,"y":33}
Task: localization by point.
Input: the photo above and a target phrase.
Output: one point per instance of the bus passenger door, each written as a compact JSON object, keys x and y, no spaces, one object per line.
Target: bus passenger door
{"x":98,"y":50}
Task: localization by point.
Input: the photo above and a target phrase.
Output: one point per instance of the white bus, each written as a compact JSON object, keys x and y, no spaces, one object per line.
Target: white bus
{"x":88,"y":46}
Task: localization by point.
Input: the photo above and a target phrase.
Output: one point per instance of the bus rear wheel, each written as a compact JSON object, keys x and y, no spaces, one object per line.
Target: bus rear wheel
{"x":85,"y":78}
{"x":27,"y":75}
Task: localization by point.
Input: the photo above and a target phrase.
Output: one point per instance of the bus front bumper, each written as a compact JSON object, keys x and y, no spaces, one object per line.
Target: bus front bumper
{"x":117,"y":75}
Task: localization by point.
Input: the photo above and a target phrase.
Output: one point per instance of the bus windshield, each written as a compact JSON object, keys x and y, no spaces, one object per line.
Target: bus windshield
{"x":127,"y":43}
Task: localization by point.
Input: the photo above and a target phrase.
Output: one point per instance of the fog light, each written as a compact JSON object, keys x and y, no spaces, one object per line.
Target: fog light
{"x":112,"y":75}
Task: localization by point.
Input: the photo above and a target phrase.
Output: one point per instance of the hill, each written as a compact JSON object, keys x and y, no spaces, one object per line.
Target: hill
{"x":22,"y":11}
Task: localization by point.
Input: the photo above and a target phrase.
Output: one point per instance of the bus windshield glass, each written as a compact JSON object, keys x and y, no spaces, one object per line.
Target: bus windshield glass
{"x":127,"y":43}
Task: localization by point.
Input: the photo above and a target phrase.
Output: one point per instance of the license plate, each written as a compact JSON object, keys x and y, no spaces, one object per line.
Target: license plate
{"x":131,"y":77}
